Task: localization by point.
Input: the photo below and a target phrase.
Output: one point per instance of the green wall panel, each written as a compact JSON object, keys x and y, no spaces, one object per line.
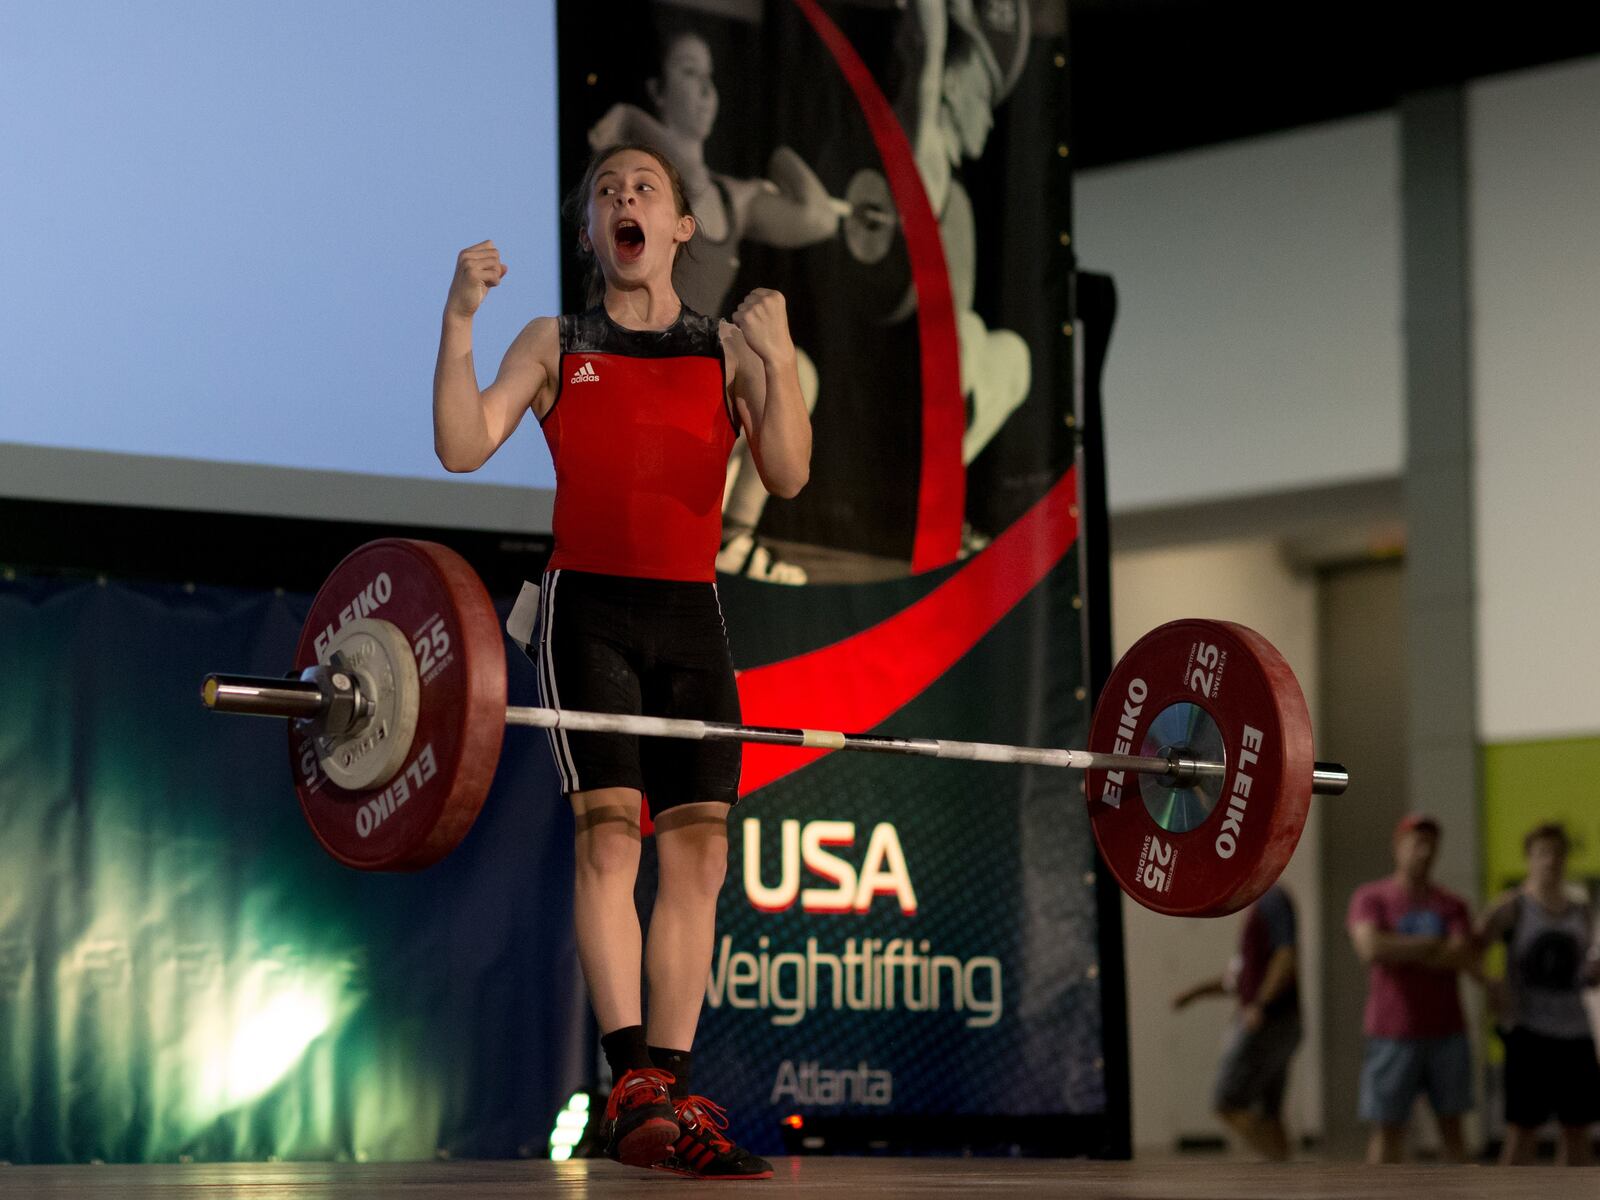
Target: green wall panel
{"x":1527,"y":783}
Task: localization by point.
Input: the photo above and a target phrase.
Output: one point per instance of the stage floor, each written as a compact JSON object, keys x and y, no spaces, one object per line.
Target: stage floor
{"x":883,"y":1179}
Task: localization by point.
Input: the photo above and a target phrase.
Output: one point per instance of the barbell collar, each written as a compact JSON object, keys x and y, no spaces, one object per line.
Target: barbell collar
{"x":1183,"y":771}
{"x":1329,"y":779}
{"x":297,"y":699}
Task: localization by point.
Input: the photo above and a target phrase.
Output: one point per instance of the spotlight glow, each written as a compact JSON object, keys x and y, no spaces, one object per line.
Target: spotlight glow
{"x":277,"y":1014}
{"x":571,"y":1121}
{"x":271,"y":1040}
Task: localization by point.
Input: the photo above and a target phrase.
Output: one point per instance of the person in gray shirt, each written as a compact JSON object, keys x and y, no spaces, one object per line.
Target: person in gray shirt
{"x":1551,"y":956}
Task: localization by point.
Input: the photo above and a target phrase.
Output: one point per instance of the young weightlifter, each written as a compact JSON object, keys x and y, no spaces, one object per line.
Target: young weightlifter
{"x":641,"y":401}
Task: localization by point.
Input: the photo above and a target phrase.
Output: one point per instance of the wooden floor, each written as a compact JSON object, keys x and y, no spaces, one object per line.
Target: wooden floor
{"x":882,"y":1179}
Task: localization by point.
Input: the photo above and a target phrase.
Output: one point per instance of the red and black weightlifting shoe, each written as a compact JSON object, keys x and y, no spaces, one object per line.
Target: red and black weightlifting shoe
{"x":703,"y":1152}
{"x":640,"y":1120}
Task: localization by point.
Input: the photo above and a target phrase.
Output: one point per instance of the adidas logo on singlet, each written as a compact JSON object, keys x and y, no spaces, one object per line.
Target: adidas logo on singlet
{"x":586,"y":374}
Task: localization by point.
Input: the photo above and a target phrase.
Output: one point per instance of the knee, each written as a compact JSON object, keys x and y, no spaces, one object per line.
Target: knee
{"x":607,"y":857}
{"x":699,"y":872}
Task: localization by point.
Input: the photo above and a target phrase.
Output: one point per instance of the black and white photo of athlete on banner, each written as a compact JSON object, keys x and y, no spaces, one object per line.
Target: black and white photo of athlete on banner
{"x":959,"y":68}
{"x":788,"y":207}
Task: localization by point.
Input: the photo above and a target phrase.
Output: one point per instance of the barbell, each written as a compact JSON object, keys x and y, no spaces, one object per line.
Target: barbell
{"x":868,"y":219}
{"x":1198,"y":780}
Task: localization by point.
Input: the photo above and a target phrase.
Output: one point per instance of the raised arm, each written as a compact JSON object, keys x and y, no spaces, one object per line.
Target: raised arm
{"x":470,"y":424}
{"x":764,"y":388}
{"x":792,"y":208}
{"x":630,"y":123}
{"x":922,"y":36}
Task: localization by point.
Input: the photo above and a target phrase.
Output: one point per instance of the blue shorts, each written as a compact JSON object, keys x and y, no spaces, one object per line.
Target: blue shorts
{"x":1396,"y":1071}
{"x":1255,"y":1065}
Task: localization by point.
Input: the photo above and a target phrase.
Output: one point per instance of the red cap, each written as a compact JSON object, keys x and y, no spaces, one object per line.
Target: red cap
{"x":1418,"y":820}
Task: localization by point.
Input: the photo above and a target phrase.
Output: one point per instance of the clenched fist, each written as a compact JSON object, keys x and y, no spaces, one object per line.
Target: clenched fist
{"x":763,"y":318}
{"x":478,"y":268}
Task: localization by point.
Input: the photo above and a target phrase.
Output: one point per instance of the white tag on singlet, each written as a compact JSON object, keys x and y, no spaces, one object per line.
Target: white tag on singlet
{"x":524,"y":615}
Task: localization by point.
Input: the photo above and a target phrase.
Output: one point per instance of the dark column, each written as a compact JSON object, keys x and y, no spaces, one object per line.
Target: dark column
{"x":1442,"y":751}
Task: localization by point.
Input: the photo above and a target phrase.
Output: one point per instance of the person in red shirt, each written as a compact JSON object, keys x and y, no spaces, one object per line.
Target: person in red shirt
{"x":640,"y":400}
{"x":1415,"y":938}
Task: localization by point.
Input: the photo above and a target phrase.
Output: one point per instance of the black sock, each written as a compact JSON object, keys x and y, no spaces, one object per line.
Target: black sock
{"x":680,"y":1063}
{"x":625,"y":1050}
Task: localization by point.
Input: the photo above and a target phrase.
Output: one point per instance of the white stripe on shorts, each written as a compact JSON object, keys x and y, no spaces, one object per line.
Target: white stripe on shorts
{"x":549,"y":696}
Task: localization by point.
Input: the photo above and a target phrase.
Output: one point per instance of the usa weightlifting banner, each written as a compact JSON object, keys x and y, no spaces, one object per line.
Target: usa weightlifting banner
{"x":924,"y":948}
{"x":908,"y":937}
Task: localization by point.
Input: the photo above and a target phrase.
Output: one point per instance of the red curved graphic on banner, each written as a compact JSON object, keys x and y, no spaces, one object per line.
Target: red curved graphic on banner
{"x":857,"y":683}
{"x":941,"y":490}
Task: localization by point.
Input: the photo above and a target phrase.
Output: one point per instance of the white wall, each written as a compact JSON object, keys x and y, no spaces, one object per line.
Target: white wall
{"x":1174,"y":1055}
{"x":1257,"y":344}
{"x":1534,"y":156}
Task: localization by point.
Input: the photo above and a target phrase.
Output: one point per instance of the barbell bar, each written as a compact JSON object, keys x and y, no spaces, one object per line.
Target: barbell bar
{"x":306,"y":700}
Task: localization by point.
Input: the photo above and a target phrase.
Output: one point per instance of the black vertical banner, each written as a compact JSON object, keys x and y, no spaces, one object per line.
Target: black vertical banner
{"x":910,"y":953}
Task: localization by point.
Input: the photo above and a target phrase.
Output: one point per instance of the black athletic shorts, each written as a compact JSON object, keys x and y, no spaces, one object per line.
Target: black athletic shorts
{"x":1550,"y":1077}
{"x":613,"y":643}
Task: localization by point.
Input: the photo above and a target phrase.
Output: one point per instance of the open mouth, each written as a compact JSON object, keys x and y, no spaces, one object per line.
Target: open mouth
{"x":628,"y":238}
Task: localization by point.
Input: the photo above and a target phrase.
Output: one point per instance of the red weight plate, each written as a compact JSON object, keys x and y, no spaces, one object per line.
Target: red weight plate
{"x":417,"y":817}
{"x":1233,"y":853}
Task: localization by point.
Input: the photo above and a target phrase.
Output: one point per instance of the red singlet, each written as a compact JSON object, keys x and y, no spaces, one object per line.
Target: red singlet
{"x":640,"y":433}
